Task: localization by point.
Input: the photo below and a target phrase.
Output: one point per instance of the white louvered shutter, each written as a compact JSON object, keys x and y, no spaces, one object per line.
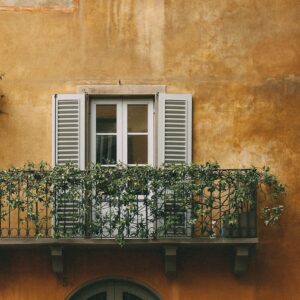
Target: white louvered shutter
{"x":174,"y":128}
{"x":68,"y":145}
{"x":68,"y":137}
{"x":175,"y":146}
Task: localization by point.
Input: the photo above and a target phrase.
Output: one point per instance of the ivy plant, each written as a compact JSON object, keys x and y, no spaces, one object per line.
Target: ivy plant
{"x":134,"y":202}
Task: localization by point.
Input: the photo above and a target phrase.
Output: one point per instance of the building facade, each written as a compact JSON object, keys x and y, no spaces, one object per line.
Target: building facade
{"x":235,"y":67}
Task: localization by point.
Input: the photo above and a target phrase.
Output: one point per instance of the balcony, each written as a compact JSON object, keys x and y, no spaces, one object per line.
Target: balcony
{"x":137,"y":206}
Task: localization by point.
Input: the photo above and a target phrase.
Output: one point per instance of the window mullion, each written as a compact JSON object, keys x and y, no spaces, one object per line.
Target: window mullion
{"x":150,"y":133}
{"x":125,"y":133}
{"x":122,"y":132}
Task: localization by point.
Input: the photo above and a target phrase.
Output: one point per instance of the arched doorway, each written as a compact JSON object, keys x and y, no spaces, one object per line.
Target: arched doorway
{"x":113,"y":289}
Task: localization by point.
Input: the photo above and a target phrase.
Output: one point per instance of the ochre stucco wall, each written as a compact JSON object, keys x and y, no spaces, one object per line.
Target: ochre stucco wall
{"x":239,"y":59}
{"x":30,"y":5}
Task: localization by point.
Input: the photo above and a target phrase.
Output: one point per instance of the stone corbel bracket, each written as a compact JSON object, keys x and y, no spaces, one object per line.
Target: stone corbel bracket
{"x":241,"y":259}
{"x":170,"y":260}
{"x":57,"y":259}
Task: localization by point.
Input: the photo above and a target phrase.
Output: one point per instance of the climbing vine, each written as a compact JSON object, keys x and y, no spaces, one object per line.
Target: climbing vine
{"x":134,"y":202}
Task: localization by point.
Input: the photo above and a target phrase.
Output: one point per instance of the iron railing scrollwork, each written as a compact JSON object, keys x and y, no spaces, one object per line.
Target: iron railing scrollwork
{"x":127,"y":204}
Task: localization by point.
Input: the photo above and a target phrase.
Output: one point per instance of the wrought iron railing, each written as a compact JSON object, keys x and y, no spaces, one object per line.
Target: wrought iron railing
{"x":127,"y":204}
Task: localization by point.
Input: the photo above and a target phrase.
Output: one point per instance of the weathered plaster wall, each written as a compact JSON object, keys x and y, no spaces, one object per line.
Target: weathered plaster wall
{"x":33,"y":4}
{"x":239,"y":59}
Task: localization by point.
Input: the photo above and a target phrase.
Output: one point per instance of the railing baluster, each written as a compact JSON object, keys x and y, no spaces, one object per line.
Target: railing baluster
{"x":220,"y":204}
{"x":174,"y":214}
{"x":147,"y":216}
{"x":229,"y":209}
{"x":254,"y":195}
{"x":64,"y":212}
{"x":137,"y":215}
{"x":73,"y":213}
{"x":55,"y":210}
{"x":110,"y":221}
{"x":37,"y":229}
{"x":211,"y":213}
{"x":100,"y":200}
{"x":248,"y":223}
{"x":9,"y":201}
{"x":166,"y":212}
{"x":201,"y":209}
{"x":156,"y":213}
{"x":18,"y":229}
{"x":1,"y":215}
{"x":186,"y":221}
{"x":46,"y":208}
{"x":27,"y":205}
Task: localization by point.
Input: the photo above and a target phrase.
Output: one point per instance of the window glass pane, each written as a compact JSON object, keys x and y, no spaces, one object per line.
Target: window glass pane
{"x":106,"y":118}
{"x":129,"y":296}
{"x":137,"y":149}
{"x":137,"y":118}
{"x":106,"y":149}
{"x":100,"y":296}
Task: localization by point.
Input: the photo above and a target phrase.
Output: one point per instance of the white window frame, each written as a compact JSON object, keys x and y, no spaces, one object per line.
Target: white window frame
{"x":121,"y":126}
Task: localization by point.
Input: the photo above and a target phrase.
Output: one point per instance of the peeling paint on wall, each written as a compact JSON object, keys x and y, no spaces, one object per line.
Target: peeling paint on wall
{"x":37,"y":4}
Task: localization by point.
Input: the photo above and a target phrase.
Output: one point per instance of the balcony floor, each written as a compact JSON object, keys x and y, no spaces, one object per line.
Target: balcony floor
{"x":88,"y":242}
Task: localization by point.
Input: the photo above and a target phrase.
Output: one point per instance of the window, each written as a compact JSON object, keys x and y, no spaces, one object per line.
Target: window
{"x":114,"y":289}
{"x":133,"y":130}
{"x":122,"y":131}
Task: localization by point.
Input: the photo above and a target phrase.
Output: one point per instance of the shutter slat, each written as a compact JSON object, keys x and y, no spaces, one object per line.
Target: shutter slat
{"x":69,"y":122}
{"x":65,"y":147}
